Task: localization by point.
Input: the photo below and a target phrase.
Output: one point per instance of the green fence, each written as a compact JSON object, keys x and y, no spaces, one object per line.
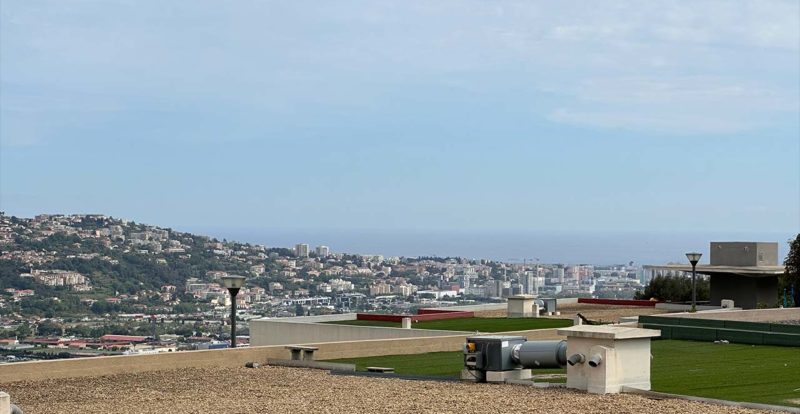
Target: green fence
{"x":709,"y":330}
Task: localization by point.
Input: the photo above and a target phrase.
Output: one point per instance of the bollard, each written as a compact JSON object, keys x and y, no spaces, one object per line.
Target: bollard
{"x":5,"y":403}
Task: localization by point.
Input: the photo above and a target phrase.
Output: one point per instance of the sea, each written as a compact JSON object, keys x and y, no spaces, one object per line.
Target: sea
{"x":568,"y":247}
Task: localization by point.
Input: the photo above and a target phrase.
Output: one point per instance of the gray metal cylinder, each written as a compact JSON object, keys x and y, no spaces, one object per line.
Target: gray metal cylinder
{"x":540,"y":354}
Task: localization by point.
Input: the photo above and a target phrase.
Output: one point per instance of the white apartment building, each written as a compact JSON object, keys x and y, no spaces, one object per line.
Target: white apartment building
{"x":323,"y":251}
{"x":301,"y":250}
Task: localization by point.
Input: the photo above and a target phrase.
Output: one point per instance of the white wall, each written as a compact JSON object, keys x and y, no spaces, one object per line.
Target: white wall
{"x":283,"y":332}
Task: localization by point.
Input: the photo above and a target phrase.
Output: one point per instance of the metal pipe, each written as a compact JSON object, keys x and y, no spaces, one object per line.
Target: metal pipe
{"x":694,"y":286}
{"x":595,"y":360}
{"x":233,"y":292}
{"x":540,"y":354}
{"x":576,"y":359}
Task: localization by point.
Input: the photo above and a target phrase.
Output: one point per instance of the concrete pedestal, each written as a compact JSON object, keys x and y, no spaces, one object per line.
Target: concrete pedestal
{"x":614,"y":357}
{"x":497,"y":376}
{"x":521,"y":306}
{"x":5,"y":403}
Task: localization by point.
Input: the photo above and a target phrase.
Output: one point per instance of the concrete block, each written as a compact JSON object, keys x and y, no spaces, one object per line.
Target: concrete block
{"x":514,"y":374}
{"x":5,"y":403}
{"x":522,"y":306}
{"x":727,"y":304}
{"x":623,"y":357}
{"x":406,"y":323}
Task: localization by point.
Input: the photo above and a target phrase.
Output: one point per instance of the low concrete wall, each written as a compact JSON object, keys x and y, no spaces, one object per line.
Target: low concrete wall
{"x":422,"y":315}
{"x":476,"y":308}
{"x":618,"y":302}
{"x":286,"y":332}
{"x":684,"y":307}
{"x":83,"y":367}
{"x":751,"y":315}
{"x":314,"y":319}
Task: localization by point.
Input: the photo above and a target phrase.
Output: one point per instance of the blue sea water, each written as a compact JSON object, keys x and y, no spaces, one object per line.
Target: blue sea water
{"x":599,"y":248}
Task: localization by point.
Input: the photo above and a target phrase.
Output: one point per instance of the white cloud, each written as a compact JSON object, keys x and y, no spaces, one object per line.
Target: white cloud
{"x":684,"y":105}
{"x":650,"y":122}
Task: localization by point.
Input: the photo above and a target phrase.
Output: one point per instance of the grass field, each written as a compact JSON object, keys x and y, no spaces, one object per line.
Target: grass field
{"x":762,"y":374}
{"x":473,"y":324}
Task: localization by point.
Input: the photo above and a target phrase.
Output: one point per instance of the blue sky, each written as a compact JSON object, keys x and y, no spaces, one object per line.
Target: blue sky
{"x":469,"y":115}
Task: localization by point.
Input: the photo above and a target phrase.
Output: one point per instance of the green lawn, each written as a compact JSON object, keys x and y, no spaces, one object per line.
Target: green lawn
{"x":762,"y":374}
{"x":473,"y":324}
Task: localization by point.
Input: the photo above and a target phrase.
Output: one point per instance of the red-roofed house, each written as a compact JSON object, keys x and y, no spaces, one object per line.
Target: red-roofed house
{"x":123,"y":338}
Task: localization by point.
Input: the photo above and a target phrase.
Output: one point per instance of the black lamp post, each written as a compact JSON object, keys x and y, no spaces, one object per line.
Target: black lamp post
{"x":233,"y":283}
{"x":694,"y":257}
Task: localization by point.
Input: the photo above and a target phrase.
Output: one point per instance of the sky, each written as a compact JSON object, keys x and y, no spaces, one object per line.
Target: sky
{"x":568,"y":116}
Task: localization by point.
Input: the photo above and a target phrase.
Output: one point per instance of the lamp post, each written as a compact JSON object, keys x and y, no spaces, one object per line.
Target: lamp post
{"x":694,"y":257}
{"x":233,"y":283}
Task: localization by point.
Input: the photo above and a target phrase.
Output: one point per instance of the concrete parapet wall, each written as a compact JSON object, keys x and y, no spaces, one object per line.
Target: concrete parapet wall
{"x":83,"y":367}
{"x":285,"y":332}
{"x":684,"y":307}
{"x":752,"y":315}
{"x":476,"y":308}
{"x":318,"y":318}
{"x":423,"y":315}
{"x":618,"y":302}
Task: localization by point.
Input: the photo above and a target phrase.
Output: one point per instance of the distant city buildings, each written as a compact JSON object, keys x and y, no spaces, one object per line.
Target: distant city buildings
{"x":301,"y":250}
{"x":323,"y":251}
{"x":280,"y":282}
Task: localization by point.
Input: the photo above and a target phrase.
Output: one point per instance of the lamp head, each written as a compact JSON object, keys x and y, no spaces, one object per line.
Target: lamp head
{"x":233,"y":281}
{"x":694,"y":257}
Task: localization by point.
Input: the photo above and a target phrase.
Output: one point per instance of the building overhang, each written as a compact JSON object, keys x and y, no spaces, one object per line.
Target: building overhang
{"x":748,"y":271}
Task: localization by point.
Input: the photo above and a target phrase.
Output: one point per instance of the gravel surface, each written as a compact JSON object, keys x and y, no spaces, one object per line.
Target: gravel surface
{"x":294,"y":390}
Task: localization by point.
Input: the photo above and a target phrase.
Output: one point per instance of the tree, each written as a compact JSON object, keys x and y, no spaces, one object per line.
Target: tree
{"x":48,"y":328}
{"x":791,"y":276}
{"x":674,"y":288}
{"x":24,"y":330}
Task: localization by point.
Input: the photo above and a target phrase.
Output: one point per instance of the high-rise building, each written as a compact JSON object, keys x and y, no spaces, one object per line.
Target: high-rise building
{"x":301,"y":250}
{"x":464,"y":281}
{"x":558,"y":274}
{"x":494,"y":288}
{"x":323,"y":251}
{"x":529,"y":284}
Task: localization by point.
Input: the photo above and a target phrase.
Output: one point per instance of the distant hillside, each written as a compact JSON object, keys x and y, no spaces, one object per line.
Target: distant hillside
{"x":111,"y":257}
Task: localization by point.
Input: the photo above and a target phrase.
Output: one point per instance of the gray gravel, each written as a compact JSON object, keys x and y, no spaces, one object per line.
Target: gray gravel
{"x":294,"y":390}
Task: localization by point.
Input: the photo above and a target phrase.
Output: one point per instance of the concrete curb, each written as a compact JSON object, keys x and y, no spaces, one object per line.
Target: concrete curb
{"x":663,"y":395}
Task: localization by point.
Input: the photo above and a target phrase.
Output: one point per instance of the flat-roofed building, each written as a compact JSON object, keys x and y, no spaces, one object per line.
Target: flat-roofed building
{"x":745,"y":272}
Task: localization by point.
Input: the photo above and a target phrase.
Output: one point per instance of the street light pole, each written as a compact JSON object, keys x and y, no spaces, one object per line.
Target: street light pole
{"x":694,"y":257}
{"x":233,"y":283}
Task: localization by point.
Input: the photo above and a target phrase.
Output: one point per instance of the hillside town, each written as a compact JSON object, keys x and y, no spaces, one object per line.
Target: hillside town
{"x":91,"y":284}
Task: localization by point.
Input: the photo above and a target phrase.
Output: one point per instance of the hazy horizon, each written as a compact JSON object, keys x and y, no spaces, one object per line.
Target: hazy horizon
{"x":575,"y":247}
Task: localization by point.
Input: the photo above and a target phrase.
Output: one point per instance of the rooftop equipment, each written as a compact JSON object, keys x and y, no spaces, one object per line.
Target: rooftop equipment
{"x":496,"y":358}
